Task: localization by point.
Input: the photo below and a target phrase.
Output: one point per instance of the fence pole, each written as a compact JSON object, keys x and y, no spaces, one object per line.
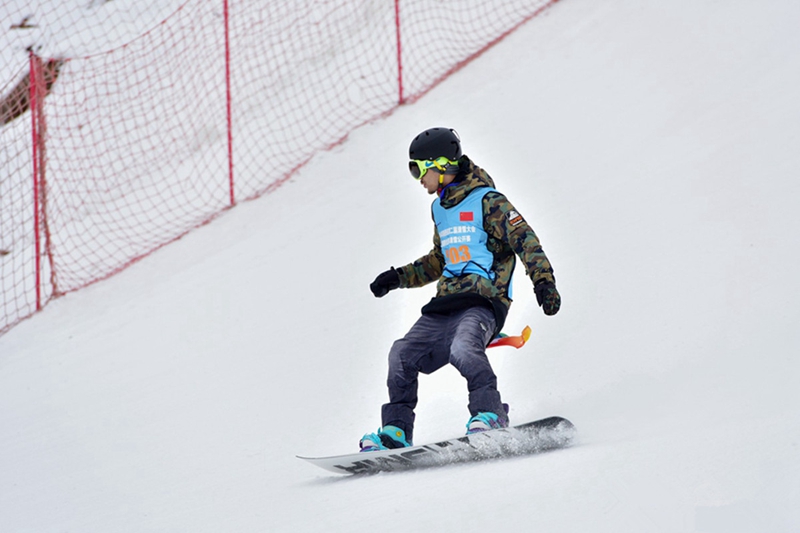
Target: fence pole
{"x":33,"y":106}
{"x":228,"y":101}
{"x":401,"y":97}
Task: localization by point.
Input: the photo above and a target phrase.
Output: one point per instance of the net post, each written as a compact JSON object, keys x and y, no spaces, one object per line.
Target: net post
{"x":401,"y":97}
{"x":228,"y":102}
{"x":33,"y":105}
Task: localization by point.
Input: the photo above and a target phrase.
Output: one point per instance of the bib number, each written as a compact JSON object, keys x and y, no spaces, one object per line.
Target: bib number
{"x":458,"y":254}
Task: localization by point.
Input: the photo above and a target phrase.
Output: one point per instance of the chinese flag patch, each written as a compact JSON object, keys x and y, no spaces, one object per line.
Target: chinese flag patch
{"x":466,"y":216}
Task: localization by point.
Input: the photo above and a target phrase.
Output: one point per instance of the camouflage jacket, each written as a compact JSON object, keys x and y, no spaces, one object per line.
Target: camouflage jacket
{"x":509,"y":236}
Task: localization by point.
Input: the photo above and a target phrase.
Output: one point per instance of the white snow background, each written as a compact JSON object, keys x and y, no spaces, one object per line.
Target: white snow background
{"x":653,"y":146}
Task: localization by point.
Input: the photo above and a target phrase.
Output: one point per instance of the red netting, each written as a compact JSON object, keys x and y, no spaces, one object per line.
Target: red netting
{"x":136,"y":139}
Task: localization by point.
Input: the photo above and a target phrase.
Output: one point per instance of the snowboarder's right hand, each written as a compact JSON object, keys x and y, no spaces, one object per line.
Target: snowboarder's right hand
{"x":385,"y":282}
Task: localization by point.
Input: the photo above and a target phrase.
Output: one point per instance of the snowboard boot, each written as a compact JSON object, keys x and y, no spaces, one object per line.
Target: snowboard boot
{"x":485,"y":422}
{"x":387,"y":438}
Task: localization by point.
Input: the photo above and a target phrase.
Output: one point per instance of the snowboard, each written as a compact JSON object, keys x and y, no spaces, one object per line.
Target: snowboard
{"x":530,"y":438}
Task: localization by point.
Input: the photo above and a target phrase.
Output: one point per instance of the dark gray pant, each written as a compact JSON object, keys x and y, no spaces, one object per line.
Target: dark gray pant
{"x":433,"y":341}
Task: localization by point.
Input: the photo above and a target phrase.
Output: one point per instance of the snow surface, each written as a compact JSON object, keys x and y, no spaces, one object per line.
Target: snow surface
{"x":73,"y":28}
{"x":653,"y":147}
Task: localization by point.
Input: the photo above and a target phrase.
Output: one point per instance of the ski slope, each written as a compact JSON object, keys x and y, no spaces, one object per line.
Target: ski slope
{"x":652,"y":146}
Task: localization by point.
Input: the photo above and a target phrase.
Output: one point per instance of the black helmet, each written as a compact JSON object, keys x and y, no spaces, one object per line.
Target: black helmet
{"x":436,"y":142}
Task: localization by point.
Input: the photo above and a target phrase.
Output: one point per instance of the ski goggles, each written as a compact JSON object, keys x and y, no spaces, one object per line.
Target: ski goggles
{"x":419,"y":167}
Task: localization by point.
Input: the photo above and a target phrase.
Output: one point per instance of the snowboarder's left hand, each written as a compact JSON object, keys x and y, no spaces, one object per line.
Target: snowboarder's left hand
{"x":385,"y":282}
{"x":547,"y":296}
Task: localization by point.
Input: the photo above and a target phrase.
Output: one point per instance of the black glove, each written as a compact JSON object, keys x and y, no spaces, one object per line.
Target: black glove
{"x":385,"y":282}
{"x":548,"y":297}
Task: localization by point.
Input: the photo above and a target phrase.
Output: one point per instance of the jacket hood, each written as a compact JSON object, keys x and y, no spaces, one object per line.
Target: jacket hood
{"x":469,"y":177}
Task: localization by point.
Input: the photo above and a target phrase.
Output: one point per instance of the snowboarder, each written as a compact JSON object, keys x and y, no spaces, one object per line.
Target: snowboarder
{"x":477,"y":233}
